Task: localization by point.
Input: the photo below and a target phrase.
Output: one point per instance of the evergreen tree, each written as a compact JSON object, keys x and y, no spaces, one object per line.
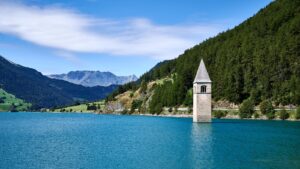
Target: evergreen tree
{"x":143,"y":87}
{"x":283,"y":114}
{"x":247,"y":109}
{"x":297,"y":116}
{"x":1,"y":100}
{"x":266,"y":107}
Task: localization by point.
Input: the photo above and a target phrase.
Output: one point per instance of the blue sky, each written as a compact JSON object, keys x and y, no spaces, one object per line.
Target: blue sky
{"x":124,"y":37}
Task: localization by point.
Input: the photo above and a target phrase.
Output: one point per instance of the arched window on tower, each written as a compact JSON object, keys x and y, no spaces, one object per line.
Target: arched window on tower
{"x":203,"y":89}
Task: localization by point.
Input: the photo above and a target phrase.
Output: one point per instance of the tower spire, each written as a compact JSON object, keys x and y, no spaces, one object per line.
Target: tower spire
{"x":202,"y":75}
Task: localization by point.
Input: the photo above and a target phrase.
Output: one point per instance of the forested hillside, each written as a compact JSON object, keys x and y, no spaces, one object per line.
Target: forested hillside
{"x":258,"y":59}
{"x":31,"y":86}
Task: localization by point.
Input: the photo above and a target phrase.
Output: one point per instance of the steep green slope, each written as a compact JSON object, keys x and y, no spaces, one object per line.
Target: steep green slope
{"x":31,"y":86}
{"x":9,"y":102}
{"x":258,"y":59}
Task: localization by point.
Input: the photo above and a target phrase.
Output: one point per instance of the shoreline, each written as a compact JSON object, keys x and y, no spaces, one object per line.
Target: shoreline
{"x":232,"y":117}
{"x":227,"y":117}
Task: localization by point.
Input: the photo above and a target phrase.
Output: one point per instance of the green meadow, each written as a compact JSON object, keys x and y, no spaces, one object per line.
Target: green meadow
{"x":9,"y":102}
{"x":84,"y":107}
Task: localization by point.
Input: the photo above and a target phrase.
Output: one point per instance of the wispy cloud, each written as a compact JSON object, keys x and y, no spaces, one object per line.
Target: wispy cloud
{"x":71,"y":31}
{"x":68,"y":56}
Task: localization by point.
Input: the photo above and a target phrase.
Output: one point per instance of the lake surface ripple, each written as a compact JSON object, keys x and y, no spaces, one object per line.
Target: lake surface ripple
{"x":43,"y":140}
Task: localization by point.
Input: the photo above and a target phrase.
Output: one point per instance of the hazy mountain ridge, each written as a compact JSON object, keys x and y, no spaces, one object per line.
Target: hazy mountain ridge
{"x":94,"y":78}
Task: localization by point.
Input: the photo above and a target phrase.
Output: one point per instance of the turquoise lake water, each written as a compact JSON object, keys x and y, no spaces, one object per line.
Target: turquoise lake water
{"x":42,"y":140}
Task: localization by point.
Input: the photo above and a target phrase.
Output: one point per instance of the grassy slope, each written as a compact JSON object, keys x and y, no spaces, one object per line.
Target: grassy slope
{"x":81,"y":107}
{"x":127,"y":98}
{"x":10,"y":100}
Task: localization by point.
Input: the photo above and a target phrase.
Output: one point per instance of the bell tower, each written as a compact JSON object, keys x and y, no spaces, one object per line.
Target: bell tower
{"x":202,"y":95}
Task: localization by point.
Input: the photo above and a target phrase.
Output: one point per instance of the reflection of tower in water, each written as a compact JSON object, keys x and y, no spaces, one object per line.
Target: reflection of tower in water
{"x":201,"y":146}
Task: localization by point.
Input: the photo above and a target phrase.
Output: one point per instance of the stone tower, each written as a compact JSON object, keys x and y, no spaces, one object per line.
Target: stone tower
{"x":202,"y":95}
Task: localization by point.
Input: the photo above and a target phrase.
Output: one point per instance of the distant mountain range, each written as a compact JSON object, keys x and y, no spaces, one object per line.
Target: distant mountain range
{"x":94,"y":78}
{"x":42,"y":91}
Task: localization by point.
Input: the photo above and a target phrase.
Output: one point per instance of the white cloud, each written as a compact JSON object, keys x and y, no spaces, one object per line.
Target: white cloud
{"x":68,"y":56}
{"x":70,"y":31}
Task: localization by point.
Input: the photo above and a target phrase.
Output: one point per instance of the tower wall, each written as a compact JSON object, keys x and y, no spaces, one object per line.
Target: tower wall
{"x":201,"y":103}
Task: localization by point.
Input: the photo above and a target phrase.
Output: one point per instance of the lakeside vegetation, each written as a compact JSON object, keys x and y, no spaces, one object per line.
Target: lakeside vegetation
{"x":97,"y":106}
{"x":280,"y":114}
{"x":269,"y":113}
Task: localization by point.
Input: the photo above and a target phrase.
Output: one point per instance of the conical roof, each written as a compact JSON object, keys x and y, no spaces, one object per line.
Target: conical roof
{"x":202,"y":75}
